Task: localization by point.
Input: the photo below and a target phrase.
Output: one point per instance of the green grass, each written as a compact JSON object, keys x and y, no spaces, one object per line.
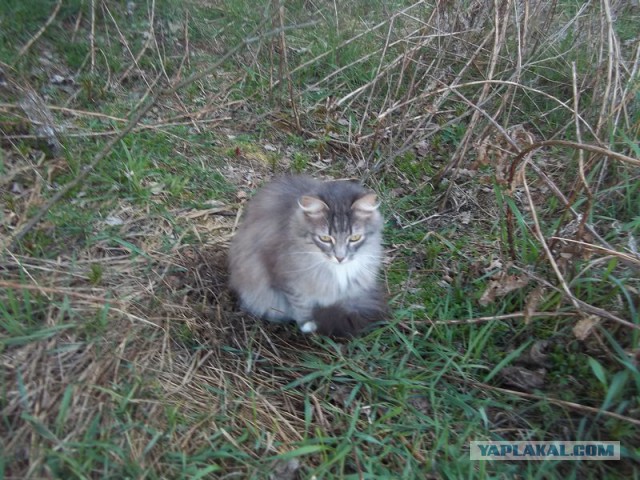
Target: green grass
{"x":124,"y":355}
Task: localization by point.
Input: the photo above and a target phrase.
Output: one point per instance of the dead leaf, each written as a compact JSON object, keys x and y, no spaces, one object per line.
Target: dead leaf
{"x":285,"y":469}
{"x":398,"y":192}
{"x":501,"y":286}
{"x":113,"y":220}
{"x":583,"y":328}
{"x":42,"y":120}
{"x":522,"y":378}
{"x":156,"y":188}
{"x":465,"y":218}
{"x":532,"y":302}
{"x":495,"y":264}
{"x":482,"y":158}
{"x":423,"y":148}
{"x":465,"y":172}
{"x":538,"y":355}
{"x":60,"y":80}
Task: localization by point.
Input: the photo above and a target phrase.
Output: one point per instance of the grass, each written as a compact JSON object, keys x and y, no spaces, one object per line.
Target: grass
{"x":123,"y":352}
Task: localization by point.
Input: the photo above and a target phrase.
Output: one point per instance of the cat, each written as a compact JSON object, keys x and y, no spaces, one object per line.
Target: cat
{"x":310,"y":251}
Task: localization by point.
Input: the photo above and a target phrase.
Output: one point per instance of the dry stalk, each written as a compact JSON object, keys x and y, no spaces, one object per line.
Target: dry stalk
{"x":500,"y":24}
{"x":373,"y":83}
{"x":161,"y":62}
{"x":95,"y":301}
{"x":147,"y":102}
{"x":125,"y":43}
{"x":609,"y":95}
{"x":566,"y":143}
{"x":543,"y":242}
{"x":147,"y":43}
{"x":577,"y":303}
{"x":349,"y":41}
{"x":419,"y":130}
{"x":576,"y":109}
{"x":42,"y":29}
{"x":92,"y":37}
{"x":631,"y":259}
{"x":562,"y":403}
{"x":508,"y":316}
{"x":284,"y":65}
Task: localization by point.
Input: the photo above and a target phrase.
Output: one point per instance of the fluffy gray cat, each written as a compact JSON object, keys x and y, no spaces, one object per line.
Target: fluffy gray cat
{"x":310,"y":251}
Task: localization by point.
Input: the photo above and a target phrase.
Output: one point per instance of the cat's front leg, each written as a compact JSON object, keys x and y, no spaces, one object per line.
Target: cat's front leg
{"x":302,"y":312}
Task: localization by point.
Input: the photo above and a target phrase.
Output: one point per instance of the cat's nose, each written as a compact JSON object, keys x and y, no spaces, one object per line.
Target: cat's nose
{"x":340,"y":259}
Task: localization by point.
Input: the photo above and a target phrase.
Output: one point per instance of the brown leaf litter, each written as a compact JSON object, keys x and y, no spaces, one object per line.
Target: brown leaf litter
{"x":501,"y":284}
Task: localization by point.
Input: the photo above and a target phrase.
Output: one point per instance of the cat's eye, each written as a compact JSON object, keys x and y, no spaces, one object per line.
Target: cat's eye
{"x":325,"y":238}
{"x":355,"y":238}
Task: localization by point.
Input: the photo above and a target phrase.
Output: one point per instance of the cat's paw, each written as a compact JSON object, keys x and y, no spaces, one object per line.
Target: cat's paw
{"x":308,"y":327}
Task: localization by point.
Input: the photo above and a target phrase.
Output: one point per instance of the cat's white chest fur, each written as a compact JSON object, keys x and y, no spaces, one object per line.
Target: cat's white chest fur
{"x":346,"y":275}
{"x":339,"y":282}
{"x":342,"y":280}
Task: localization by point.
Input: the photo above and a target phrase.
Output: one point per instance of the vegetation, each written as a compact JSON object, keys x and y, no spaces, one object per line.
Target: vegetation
{"x":502,"y":138}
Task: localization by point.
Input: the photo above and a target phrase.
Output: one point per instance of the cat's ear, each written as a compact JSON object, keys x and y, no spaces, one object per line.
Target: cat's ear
{"x":312,"y":205}
{"x":366,"y":204}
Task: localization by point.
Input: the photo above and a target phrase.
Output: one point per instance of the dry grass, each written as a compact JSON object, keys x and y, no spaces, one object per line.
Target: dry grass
{"x":155,"y":302}
{"x":125,"y":355}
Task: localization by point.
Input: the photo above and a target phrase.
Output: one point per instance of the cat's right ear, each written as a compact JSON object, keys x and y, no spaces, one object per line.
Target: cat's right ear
{"x":367,"y":204}
{"x":312,"y":205}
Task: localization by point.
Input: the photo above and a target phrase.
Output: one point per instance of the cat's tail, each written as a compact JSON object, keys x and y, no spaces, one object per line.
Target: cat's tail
{"x":349,"y":318}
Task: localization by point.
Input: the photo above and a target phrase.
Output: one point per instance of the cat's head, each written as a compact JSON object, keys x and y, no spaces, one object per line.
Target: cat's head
{"x":341,"y":220}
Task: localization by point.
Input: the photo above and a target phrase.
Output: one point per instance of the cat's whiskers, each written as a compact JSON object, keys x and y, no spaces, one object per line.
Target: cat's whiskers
{"x":370,"y":271}
{"x":359,"y":267}
{"x":368,"y":255}
{"x":302,"y":253}
{"x":310,"y":267}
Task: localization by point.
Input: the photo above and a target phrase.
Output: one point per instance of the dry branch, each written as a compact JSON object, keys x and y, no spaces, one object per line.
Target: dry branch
{"x":42,"y":29}
{"x":148,"y":101}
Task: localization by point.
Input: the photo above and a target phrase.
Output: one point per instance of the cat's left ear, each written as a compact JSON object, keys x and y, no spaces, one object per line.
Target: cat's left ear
{"x":366,"y":204}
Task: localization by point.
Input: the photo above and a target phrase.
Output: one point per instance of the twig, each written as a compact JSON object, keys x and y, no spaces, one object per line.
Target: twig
{"x":623,"y":256}
{"x":494,"y":82}
{"x":576,"y":101}
{"x":543,"y":242}
{"x":586,"y":307}
{"x":583,"y":146}
{"x":557,"y":401}
{"x":499,"y":32}
{"x":39,"y":33}
{"x":507,"y":316}
{"x":565,"y":202}
{"x":347,"y":42}
{"x":143,"y":108}
{"x":125,"y":44}
{"x":284,"y":66}
{"x":92,"y":37}
{"x":581,"y":176}
{"x":527,"y":150}
{"x":376,"y":77}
